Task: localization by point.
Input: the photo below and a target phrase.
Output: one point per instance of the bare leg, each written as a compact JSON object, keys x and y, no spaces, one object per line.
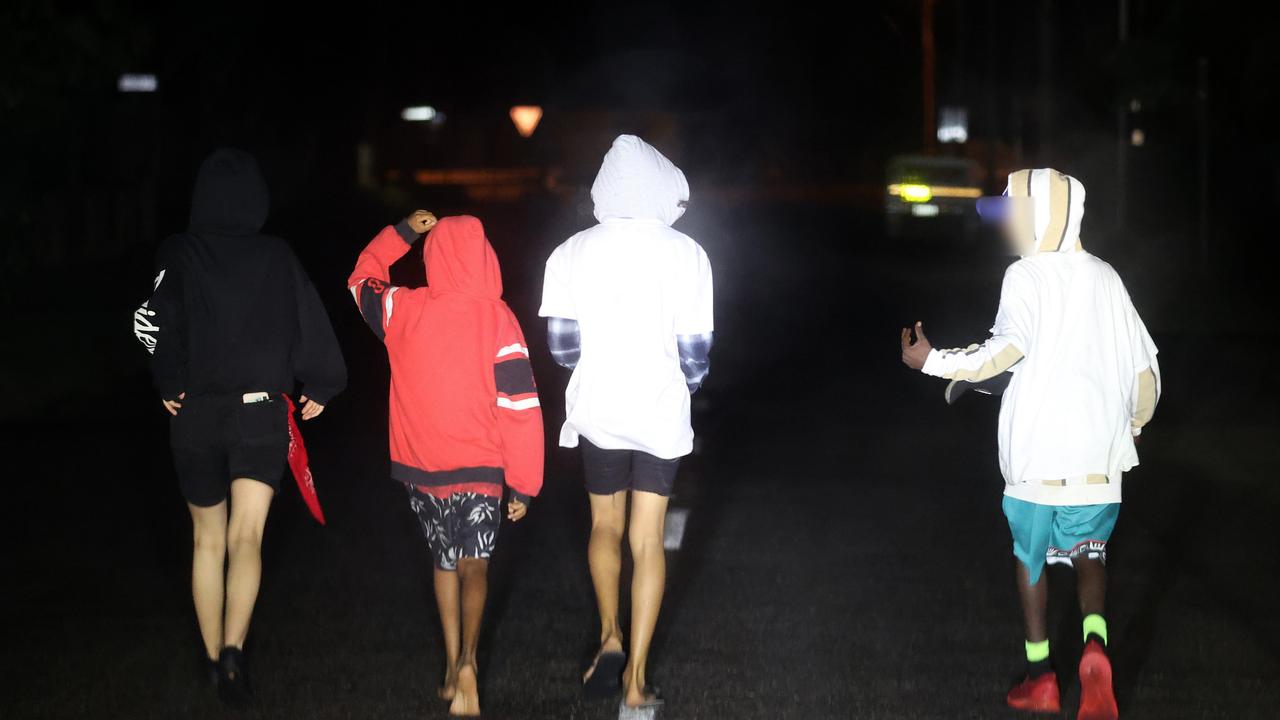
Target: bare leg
{"x":208,"y":572}
{"x":648,"y":514}
{"x":604,"y":555}
{"x":1035,"y":602}
{"x":473,"y":574}
{"x":250,"y":503}
{"x":1091,"y":585}
{"x":447,"y":602}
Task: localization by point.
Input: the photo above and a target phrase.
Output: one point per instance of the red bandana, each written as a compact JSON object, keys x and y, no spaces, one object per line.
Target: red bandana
{"x":301,"y":469}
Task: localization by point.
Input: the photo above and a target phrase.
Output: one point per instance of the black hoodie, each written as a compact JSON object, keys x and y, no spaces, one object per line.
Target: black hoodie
{"x":233,"y":311}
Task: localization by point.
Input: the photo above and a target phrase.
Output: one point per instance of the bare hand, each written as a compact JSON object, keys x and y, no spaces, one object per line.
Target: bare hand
{"x":421,"y":221}
{"x":173,"y":405}
{"x":310,"y":408}
{"x":915,"y":354}
{"x":516,"y":510}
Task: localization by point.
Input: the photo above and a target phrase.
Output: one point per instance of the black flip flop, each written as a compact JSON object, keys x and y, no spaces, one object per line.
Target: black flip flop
{"x":606,"y":679}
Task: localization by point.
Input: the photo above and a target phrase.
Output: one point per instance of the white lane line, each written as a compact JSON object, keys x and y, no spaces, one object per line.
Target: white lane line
{"x":673,"y":535}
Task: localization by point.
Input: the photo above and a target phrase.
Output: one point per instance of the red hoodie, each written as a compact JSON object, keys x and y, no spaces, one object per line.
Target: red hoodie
{"x":464,"y":408}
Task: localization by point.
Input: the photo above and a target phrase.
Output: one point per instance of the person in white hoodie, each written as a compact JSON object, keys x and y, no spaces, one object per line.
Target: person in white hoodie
{"x":629,"y":309}
{"x":1084,"y":382}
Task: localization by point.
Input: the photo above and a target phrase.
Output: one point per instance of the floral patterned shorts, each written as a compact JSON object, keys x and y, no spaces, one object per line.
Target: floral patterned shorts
{"x":463,"y":525}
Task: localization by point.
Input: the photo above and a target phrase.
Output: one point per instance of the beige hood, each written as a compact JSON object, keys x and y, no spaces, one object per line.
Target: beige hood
{"x":1056,"y":210}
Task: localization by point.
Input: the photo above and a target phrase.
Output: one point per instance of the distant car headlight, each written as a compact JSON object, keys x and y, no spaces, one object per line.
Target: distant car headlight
{"x":912,"y":192}
{"x":919,"y":193}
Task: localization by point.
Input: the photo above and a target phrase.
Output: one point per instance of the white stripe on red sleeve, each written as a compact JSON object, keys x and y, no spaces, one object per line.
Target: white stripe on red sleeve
{"x":513,"y":349}
{"x":386,"y":319}
{"x":525,"y":404}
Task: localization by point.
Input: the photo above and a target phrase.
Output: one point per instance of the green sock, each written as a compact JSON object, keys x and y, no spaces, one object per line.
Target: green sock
{"x":1095,"y":624}
{"x":1037,"y":652}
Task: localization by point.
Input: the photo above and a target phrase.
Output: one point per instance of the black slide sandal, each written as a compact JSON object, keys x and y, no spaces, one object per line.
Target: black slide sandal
{"x":606,"y":679}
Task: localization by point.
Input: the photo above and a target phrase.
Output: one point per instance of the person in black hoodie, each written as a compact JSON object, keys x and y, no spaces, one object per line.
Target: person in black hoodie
{"x":233,"y":325}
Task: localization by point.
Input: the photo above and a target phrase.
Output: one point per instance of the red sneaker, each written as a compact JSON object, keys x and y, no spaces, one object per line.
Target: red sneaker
{"x":1038,"y":694}
{"x":1097,"y":700}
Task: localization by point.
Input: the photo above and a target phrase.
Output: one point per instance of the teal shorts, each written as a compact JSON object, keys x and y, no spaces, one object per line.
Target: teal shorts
{"x":1058,"y":533}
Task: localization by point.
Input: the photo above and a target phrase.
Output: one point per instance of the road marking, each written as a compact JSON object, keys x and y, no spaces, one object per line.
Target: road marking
{"x":673,"y":535}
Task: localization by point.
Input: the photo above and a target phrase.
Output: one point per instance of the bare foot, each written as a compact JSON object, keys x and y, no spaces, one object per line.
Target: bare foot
{"x":450,"y":686}
{"x":635,"y":693}
{"x":466,"y":699}
{"x":611,"y":644}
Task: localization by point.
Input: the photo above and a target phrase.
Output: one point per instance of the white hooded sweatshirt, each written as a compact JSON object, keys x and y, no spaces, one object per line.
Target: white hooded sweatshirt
{"x":1085,"y":375}
{"x":633,"y":284}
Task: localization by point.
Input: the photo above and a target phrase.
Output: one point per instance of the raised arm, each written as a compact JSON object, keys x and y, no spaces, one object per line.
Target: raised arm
{"x":370,"y":281}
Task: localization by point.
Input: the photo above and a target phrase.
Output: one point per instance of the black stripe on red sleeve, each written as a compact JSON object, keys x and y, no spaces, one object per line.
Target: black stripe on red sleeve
{"x":372,"y":306}
{"x":514,"y":376}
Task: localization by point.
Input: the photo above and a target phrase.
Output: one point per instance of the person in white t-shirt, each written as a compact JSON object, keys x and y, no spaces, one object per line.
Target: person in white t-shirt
{"x":1084,"y":382}
{"x":628,"y":304}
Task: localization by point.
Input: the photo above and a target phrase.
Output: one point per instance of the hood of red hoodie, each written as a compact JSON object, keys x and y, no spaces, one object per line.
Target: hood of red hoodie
{"x":459,"y":259}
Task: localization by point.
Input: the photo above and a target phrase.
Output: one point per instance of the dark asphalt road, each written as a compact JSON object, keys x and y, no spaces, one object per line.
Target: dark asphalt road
{"x":845,"y":556}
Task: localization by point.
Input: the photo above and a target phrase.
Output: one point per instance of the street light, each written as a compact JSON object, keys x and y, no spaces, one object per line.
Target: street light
{"x":526,"y":118}
{"x":418,"y":113}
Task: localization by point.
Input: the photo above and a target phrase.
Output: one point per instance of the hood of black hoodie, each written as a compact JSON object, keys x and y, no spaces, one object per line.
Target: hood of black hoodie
{"x":230,"y":197}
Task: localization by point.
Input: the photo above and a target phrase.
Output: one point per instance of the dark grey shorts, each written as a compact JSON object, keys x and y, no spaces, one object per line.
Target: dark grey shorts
{"x":463,"y":525}
{"x":612,"y":471}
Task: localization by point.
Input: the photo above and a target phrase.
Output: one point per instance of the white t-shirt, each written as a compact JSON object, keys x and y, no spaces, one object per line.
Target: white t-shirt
{"x":633,"y":284}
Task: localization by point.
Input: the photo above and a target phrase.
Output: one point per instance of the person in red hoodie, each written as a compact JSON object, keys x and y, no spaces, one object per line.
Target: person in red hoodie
{"x":465,"y":417}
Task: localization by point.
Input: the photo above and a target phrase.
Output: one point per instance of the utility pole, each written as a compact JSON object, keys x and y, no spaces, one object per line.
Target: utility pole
{"x":1044,"y":147}
{"x":928,"y":71}
{"x":1202,"y":122}
{"x":994,"y":130}
{"x":1122,"y":138}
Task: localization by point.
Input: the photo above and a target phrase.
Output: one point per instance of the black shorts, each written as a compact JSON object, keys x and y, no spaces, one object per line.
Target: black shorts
{"x":217,"y":439}
{"x":612,"y":471}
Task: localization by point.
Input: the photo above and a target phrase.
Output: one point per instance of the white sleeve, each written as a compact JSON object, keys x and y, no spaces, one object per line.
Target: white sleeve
{"x":1016,"y":316}
{"x":1010,"y":337}
{"x":1148,"y":384}
{"x":1144,"y":348}
{"x":695,"y":312}
{"x":557,"y":299}
{"x":145,"y":328}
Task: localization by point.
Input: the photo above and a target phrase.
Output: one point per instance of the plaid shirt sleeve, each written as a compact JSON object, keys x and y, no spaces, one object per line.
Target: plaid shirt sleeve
{"x":565,"y":341}
{"x":695,"y":358}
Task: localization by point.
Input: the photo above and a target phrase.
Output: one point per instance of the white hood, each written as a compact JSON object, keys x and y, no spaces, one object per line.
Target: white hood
{"x":1058,"y":208}
{"x":637,"y":182}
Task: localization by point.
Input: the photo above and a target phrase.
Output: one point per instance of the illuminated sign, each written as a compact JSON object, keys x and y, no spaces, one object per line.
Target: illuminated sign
{"x":526,"y":118}
{"x":137,"y":83}
{"x":953,"y":125}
